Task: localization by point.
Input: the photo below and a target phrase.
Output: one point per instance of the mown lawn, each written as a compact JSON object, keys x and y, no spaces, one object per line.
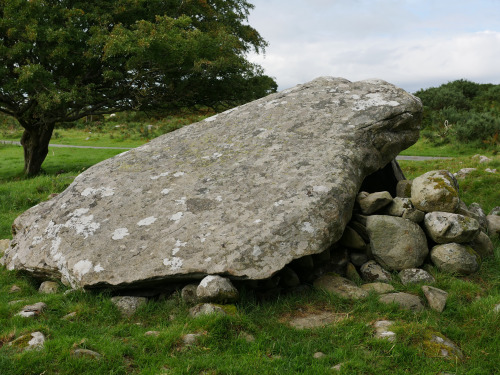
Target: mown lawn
{"x":223,"y":346}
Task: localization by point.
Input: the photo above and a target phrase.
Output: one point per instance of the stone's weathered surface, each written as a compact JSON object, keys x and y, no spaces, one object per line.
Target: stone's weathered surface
{"x":15,"y":289}
{"x":69,"y":316}
{"x":493,"y":225}
{"x":317,"y":320}
{"x":190,"y":338}
{"x":48,"y":287}
{"x":370,"y":203}
{"x":216,"y":289}
{"x":415,"y":276}
{"x":495,"y":211}
{"x":404,"y":300}
{"x":398,"y":206}
{"x":462,"y":173}
{"x":476,"y":211}
{"x":435,"y":297}
{"x":380,"y":288}
{"x":482,"y":245}
{"x":4,"y":245}
{"x":128,"y":305}
{"x":242,"y":193}
{"x":496,"y":309}
{"x":382,"y":330}
{"x":35,"y":341}
{"x":445,"y":227}
{"x":29,"y":311}
{"x":352,"y":239}
{"x":414,"y":215}
{"x":85,"y":353}
{"x":340,"y":286}
{"x":351,"y":273}
{"x":206,"y":309}
{"x":440,"y":345}
{"x":435,"y":191}
{"x":319,"y":355}
{"x":455,"y":258}
{"x":396,"y":243}
{"x":372,"y":271}
{"x":188,"y":294}
{"x":403,"y":189}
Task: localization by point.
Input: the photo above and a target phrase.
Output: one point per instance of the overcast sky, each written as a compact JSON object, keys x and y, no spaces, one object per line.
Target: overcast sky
{"x":413,"y":44}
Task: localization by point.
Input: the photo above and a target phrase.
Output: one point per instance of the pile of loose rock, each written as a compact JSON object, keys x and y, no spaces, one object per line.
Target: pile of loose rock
{"x":425,"y":224}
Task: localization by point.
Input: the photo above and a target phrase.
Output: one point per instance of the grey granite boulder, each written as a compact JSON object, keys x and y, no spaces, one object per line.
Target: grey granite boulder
{"x":370,"y":203}
{"x":455,"y":258}
{"x":242,"y":193}
{"x":372,"y":271}
{"x":405,"y":301}
{"x":483,"y":245}
{"x":435,"y":297}
{"x":415,"y":276}
{"x":396,"y":243}
{"x":128,"y":305}
{"x":445,"y":227}
{"x":340,"y":286}
{"x":493,"y":225}
{"x":215,"y":288}
{"x":48,"y":287}
{"x":435,"y":191}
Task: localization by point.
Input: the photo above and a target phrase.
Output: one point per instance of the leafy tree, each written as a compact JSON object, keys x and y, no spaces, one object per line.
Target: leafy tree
{"x":61,"y":60}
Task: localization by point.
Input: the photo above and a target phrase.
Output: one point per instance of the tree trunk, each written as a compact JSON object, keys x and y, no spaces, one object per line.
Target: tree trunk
{"x":36,"y":147}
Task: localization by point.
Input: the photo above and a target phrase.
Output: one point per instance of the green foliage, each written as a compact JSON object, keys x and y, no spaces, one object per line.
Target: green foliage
{"x":462,"y":111}
{"x":61,"y":60}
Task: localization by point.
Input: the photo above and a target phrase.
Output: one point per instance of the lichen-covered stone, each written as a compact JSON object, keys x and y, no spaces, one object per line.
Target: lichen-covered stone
{"x":352,"y":239}
{"x":242,"y":193}
{"x":396,"y":243}
{"x":435,"y":191}
{"x":415,"y":276}
{"x":215,"y":288}
{"x":405,"y":301}
{"x":340,"y":286}
{"x":380,"y":288}
{"x":372,"y":271}
{"x":483,"y":245}
{"x":370,"y":203}
{"x":128,"y":305}
{"x":435,"y":297}
{"x":403,"y":188}
{"x":48,"y":287}
{"x":455,"y":258}
{"x":493,"y":225}
{"x":445,"y":227}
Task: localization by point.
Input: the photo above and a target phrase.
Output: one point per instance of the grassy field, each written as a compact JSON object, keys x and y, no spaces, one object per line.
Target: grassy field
{"x":222,"y":347}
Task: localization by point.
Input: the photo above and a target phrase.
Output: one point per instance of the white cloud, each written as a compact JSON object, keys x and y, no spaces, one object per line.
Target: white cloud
{"x":414,"y":44}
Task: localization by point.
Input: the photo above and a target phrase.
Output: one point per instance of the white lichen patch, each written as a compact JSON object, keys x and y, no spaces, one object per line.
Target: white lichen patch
{"x":179,"y":174}
{"x":104,"y":192}
{"x":209,"y":259}
{"x":218,"y":198}
{"x":174,"y":263}
{"x":307,"y":227}
{"x":210,"y":119}
{"x":83,"y":225}
{"x":320,"y":189}
{"x":178,"y":245}
{"x":176,"y":217}
{"x":256,"y":251}
{"x":37,"y":240}
{"x":278,"y":203}
{"x":147,"y":221}
{"x":81,"y":268}
{"x":165,"y":191}
{"x":98,"y":268}
{"x":120,"y":233}
{"x":257,"y":221}
{"x":164,"y":174}
{"x":181,"y":201}
{"x":374,"y":100}
{"x":206,"y":280}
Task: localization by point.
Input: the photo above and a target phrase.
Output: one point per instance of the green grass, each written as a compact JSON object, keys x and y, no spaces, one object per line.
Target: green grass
{"x":424,"y":147}
{"x":468,"y":319}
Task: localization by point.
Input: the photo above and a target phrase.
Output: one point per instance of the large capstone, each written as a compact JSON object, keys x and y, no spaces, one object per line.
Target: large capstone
{"x":240,"y":194}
